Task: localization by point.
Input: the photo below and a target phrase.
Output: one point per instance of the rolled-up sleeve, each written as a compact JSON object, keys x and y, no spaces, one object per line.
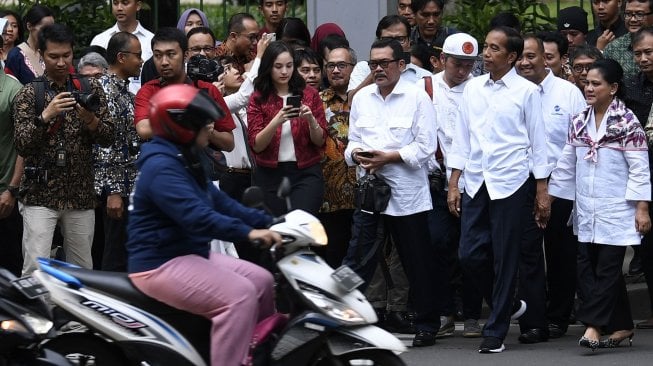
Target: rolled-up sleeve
{"x":417,"y":153}
{"x":563,"y":178}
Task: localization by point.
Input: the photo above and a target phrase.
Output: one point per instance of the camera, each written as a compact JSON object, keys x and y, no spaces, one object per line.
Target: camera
{"x":200,"y":67}
{"x":89,"y":101}
{"x":36,"y":174}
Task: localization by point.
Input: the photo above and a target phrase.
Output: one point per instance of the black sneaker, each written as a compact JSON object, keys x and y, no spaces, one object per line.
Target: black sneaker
{"x":518,"y":309}
{"x":491,"y":345}
{"x":424,"y":338}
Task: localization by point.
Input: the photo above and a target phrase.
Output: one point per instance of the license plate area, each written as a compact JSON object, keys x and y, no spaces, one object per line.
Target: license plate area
{"x":346,"y":278}
{"x":29,"y":287}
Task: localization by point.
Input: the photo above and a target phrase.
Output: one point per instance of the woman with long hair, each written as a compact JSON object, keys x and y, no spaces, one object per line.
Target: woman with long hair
{"x":287,"y":136}
{"x":24,"y":61}
{"x":604,"y":168}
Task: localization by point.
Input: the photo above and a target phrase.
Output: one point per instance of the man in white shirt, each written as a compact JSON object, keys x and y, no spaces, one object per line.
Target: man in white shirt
{"x":125,"y":12}
{"x":561,"y":100}
{"x":500,"y":131}
{"x":459,"y":54}
{"x":390,"y":27}
{"x":392,"y":134}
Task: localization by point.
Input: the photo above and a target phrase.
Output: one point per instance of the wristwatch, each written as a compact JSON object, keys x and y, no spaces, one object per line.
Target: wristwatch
{"x":13,"y":190}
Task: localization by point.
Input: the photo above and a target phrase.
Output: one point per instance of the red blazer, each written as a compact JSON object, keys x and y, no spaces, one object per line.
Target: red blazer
{"x":259,"y":115}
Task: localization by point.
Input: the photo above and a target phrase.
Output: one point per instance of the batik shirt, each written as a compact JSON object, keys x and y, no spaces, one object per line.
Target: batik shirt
{"x":69,"y":186}
{"x":115,"y":170}
{"x":621,"y":51}
{"x":339,"y":179}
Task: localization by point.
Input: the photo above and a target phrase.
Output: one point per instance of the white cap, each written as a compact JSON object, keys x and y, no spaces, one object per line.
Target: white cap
{"x":461,"y":45}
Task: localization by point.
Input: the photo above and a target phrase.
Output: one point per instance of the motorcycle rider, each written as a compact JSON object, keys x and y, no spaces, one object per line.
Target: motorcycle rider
{"x":174,"y":213}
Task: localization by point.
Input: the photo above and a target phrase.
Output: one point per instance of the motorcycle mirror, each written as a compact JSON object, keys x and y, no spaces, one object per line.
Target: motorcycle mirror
{"x":253,"y":197}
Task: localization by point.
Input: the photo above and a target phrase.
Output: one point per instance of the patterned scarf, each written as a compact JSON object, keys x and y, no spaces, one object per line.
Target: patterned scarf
{"x":623,"y":131}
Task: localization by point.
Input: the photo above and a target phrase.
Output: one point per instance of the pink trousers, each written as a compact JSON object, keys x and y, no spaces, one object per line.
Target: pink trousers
{"x":233,"y":293}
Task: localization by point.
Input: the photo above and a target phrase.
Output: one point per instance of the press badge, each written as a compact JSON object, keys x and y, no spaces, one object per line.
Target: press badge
{"x":61,"y":155}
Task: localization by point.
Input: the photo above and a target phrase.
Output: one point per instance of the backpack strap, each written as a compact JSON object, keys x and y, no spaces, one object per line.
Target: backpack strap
{"x":39,"y":94}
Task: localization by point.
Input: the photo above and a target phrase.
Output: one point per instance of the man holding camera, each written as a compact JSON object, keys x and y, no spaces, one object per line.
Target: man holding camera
{"x":170,"y":47}
{"x":115,"y":168}
{"x":56,"y":143}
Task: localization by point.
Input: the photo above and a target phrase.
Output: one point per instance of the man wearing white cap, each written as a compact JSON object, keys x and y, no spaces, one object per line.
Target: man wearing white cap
{"x":500,"y":130}
{"x":561,"y":100}
{"x":459,"y":52}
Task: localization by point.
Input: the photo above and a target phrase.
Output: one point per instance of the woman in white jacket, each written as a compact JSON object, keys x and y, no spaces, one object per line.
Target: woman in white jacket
{"x":604,"y":168}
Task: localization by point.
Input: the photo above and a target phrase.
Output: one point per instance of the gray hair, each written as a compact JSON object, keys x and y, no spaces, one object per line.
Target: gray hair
{"x":92,"y":59}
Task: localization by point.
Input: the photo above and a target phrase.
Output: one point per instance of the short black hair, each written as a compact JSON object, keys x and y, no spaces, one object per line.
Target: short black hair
{"x":417,"y":5}
{"x":236,"y":22}
{"x":423,"y":52}
{"x":585,"y":50}
{"x":557,"y":38}
{"x":201,"y":30}
{"x":640,"y":34}
{"x":397,"y":50}
{"x":55,"y":33}
{"x":260,"y":2}
{"x":507,"y":19}
{"x":119,"y":42}
{"x":307,"y":54}
{"x":390,"y":20}
{"x":333,"y":41}
{"x":171,"y":34}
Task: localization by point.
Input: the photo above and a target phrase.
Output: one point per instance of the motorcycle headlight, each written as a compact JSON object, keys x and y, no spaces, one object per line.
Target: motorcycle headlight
{"x":13,"y":326}
{"x":318,"y":233}
{"x":40,"y":325}
{"x":330,"y":306}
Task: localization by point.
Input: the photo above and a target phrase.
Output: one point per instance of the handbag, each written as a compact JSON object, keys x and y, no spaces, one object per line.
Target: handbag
{"x":371,"y":194}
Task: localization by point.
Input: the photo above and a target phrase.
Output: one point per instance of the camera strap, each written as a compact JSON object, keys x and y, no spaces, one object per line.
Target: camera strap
{"x":80,"y":83}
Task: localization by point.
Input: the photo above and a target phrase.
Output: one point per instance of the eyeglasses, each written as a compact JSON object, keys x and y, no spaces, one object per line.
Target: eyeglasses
{"x":253,"y":37}
{"x":206,"y":49}
{"x":636,"y":16}
{"x":340,"y":65}
{"x":373,"y":64}
{"x":580,"y":68}
{"x":400,"y":39}
{"x":138,"y":54}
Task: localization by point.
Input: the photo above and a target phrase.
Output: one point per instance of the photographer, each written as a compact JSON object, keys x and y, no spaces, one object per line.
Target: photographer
{"x":170,"y":47}
{"x":56,"y":143}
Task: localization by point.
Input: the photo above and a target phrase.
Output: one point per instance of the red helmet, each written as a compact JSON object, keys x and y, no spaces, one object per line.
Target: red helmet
{"x":178,"y":112}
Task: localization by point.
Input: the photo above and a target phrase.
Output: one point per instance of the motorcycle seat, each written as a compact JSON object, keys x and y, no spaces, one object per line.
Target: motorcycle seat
{"x":118,"y":285}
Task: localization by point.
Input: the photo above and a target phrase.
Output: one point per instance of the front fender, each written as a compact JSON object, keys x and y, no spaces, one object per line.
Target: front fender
{"x":368,"y":337}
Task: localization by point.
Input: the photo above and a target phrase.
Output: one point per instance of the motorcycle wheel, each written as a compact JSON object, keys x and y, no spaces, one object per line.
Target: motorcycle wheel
{"x":371,"y":357}
{"x":86,"y":349}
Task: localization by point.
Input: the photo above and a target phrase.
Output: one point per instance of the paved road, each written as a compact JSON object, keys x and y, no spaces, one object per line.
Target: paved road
{"x":563,"y":351}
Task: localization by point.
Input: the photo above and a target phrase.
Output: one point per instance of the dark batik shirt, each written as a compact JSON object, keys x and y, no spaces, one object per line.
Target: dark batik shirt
{"x":115,"y":169}
{"x":69,"y":186}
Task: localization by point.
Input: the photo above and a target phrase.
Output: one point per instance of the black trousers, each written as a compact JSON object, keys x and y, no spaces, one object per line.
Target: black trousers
{"x":490,"y":241}
{"x":307,"y":187}
{"x":336,"y":225}
{"x":646,"y":250}
{"x":114,"y":256}
{"x":235,"y":184}
{"x":11,"y":248}
{"x":423,"y":267}
{"x":603,"y":289}
{"x":532,"y":278}
{"x":561,"y":247}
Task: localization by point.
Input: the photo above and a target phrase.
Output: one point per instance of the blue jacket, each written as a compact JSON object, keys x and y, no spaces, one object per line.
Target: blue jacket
{"x":170,"y":215}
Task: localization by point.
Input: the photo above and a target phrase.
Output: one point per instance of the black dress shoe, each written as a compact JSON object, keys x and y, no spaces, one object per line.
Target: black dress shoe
{"x":424,"y":338}
{"x":398,"y":322}
{"x":556,"y":330}
{"x":535,"y":335}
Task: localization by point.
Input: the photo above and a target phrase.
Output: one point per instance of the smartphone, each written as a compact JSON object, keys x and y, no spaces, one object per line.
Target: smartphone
{"x":294,"y":100}
{"x":271,"y":36}
{"x":365,"y":154}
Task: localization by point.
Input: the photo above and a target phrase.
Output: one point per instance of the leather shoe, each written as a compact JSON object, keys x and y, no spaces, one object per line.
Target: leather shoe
{"x":556,"y":330}
{"x":535,"y":335}
{"x":424,"y":338}
{"x":398,"y":322}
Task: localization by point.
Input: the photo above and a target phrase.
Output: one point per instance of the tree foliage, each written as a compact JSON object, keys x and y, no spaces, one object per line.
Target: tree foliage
{"x":473,"y":16}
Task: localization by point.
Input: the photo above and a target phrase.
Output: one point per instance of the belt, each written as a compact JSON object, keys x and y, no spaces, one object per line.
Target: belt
{"x":228,"y":169}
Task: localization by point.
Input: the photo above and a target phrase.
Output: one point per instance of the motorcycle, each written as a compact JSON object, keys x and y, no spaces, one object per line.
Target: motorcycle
{"x":329,"y":321}
{"x":25,"y":322}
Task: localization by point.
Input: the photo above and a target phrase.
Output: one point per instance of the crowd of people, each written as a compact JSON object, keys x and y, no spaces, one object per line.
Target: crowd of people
{"x":518,"y":164}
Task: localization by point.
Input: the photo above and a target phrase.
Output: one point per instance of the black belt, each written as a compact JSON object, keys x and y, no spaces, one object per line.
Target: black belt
{"x":228,"y":169}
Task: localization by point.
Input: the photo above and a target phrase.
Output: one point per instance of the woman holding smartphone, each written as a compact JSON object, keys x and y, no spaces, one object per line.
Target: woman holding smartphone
{"x":286,"y":130}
